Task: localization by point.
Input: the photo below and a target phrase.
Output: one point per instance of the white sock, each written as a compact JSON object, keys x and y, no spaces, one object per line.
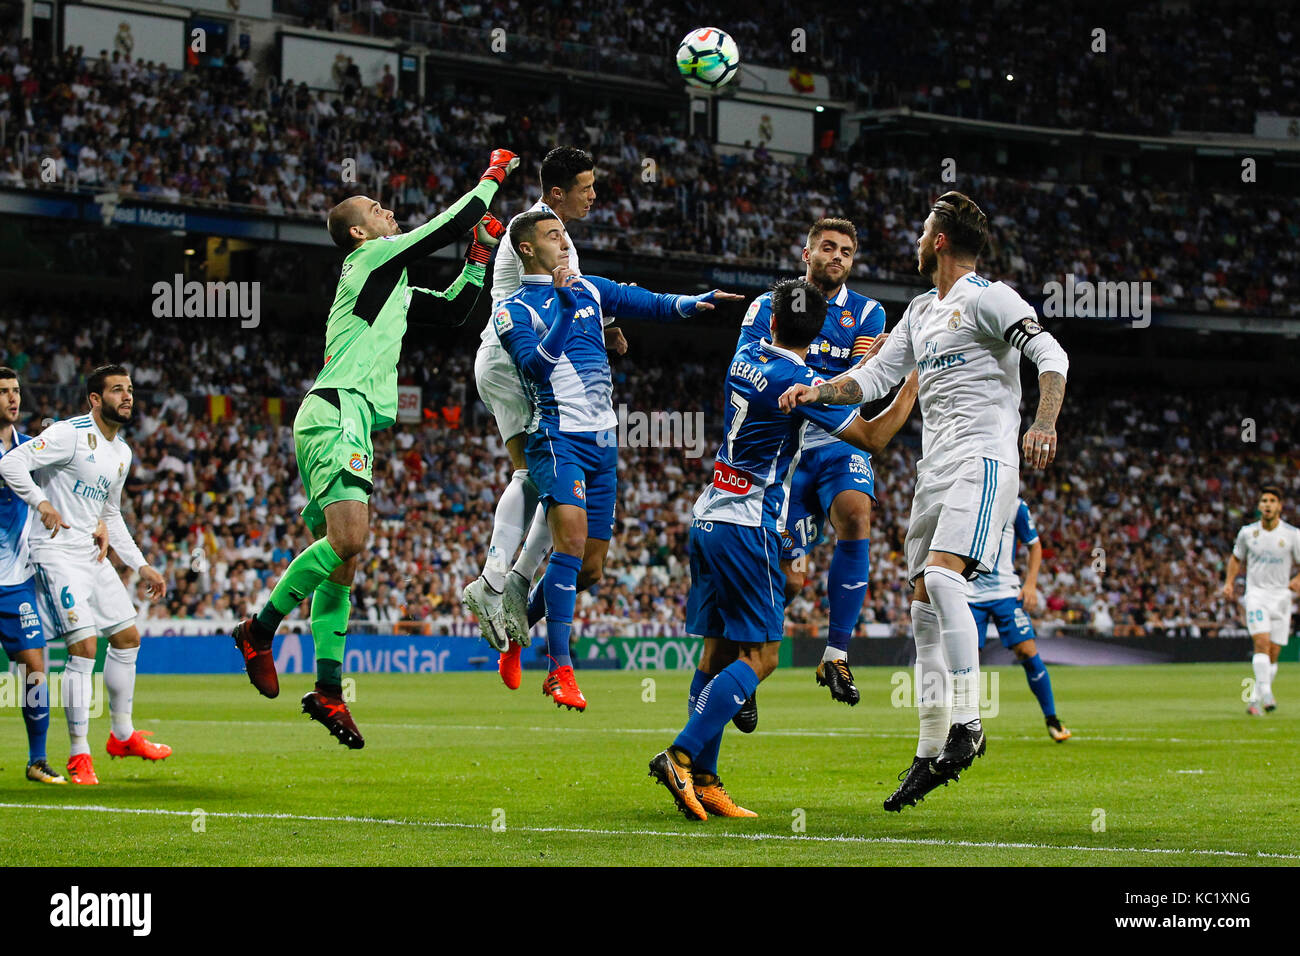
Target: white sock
{"x":76,"y":702}
{"x":1263,"y":677}
{"x":933,"y":687}
{"x":1272,"y":674}
{"x":961,"y":644}
{"x":834,"y":654}
{"x":518,"y":501}
{"x":535,"y":547}
{"x":119,"y":678}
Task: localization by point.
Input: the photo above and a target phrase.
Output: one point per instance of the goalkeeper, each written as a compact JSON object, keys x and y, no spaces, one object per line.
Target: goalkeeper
{"x":355,"y":394}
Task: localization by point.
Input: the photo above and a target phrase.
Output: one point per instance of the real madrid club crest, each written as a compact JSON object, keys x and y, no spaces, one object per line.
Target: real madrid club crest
{"x":954,"y":322}
{"x":91,"y":441}
{"x":1255,"y":533}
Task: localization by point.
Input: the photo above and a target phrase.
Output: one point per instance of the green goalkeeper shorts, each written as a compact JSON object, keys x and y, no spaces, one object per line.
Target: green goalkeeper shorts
{"x":331,"y":437}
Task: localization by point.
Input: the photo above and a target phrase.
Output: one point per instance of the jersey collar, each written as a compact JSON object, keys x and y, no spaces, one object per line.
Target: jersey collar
{"x":538,"y":279}
{"x":842,"y":296}
{"x":767,"y":345}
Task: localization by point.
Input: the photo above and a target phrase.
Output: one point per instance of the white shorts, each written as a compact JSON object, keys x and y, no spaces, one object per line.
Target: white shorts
{"x":82,"y":597}
{"x":1269,"y":612}
{"x":961,"y":509}
{"x":501,"y":391}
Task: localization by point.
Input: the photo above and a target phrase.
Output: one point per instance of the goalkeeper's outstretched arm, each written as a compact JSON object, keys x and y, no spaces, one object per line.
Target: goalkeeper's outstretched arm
{"x":449,"y":308}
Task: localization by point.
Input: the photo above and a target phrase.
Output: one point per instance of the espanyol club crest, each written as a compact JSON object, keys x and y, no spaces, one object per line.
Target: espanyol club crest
{"x":954,"y":323}
{"x":846,"y":319}
{"x":578,"y":491}
{"x":357,"y":462}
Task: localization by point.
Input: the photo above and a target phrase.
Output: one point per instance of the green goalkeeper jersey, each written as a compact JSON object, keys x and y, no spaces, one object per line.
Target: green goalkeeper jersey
{"x":363,"y":337}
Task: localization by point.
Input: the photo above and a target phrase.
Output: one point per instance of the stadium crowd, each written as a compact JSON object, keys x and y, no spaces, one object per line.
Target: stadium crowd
{"x":1154,"y":68}
{"x":1137,"y":516}
{"x":234,"y":140}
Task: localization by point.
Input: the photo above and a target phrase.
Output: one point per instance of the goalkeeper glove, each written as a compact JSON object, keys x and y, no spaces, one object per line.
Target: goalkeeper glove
{"x":500,"y":164}
{"x":487,"y":235}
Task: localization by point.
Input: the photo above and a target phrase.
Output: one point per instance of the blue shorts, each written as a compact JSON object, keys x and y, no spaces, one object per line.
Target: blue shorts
{"x":576,"y":468}
{"x":20,"y":625}
{"x":822,"y":474}
{"x":737,"y":587}
{"x":1014,"y":626}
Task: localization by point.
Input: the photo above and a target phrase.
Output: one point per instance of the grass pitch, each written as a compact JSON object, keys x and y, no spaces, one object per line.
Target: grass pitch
{"x":1165,"y":768}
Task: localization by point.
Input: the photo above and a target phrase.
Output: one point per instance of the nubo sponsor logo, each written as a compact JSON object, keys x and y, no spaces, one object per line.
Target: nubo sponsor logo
{"x":77,"y":909}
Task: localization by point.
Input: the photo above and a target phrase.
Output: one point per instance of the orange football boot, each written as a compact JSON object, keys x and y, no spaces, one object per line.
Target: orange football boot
{"x":137,"y":746}
{"x":509,"y":668}
{"x":561,"y":687}
{"x":82,"y":770}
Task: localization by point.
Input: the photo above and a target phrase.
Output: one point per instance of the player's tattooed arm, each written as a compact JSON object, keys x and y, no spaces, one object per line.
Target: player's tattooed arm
{"x":841,"y":390}
{"x":1040,"y":440}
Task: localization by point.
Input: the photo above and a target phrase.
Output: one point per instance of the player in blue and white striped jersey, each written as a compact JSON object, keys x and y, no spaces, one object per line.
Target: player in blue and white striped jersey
{"x":737,"y":598}
{"x":21,"y":635}
{"x":999,"y":595}
{"x":833,"y":480}
{"x":553,"y":328}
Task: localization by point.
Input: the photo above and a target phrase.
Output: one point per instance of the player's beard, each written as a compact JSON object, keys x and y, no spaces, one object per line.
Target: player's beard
{"x":112,"y":413}
{"x":820,"y":277}
{"x":928,"y":263}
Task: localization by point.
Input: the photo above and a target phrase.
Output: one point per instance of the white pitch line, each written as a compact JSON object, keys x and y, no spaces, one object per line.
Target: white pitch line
{"x":725,"y":835}
{"x":790,"y":732}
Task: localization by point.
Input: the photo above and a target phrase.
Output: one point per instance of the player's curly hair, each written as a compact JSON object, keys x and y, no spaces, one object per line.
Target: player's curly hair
{"x":963,"y":222}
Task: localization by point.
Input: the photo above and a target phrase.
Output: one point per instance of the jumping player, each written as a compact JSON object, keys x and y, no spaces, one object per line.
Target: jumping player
{"x":737,"y":597}
{"x":553,"y":329}
{"x":833,"y":480}
{"x":354,"y":395}
{"x":964,"y":337}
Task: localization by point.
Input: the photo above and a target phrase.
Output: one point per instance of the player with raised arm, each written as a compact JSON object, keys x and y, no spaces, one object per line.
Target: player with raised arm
{"x":72,"y":476}
{"x":498,"y":597}
{"x":737,"y":598}
{"x":1270,"y":550}
{"x":1000,"y":596}
{"x":553,"y":328}
{"x":833,"y":480}
{"x":354,"y":395}
{"x":964,"y":337}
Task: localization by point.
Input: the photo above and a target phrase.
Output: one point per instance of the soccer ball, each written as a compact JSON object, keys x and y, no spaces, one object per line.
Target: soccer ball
{"x":708,"y":57}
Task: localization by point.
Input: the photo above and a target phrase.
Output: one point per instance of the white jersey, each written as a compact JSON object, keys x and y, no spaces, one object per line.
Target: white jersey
{"x":81,"y":473}
{"x":967,"y":348}
{"x":1271,"y":557}
{"x":508,"y":271}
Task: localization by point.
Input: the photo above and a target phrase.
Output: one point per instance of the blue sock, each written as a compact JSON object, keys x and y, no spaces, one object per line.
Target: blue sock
{"x":36,"y":714}
{"x":560,"y":584}
{"x":706,"y":761}
{"x":715,"y":706}
{"x":698,"y":683}
{"x":537,"y":604}
{"x":850,"y":567}
{"x":1040,"y":684}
